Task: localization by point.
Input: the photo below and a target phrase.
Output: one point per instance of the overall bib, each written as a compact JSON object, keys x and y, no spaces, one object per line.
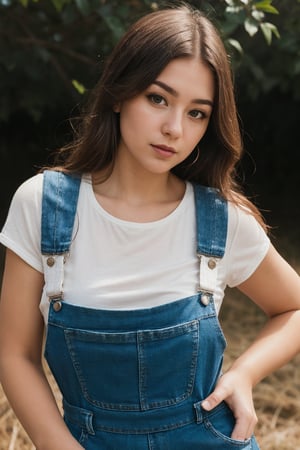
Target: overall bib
{"x":135,"y":379}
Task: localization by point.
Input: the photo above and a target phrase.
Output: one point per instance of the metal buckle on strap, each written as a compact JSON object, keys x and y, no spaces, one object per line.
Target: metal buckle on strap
{"x":56,"y":301}
{"x":205,"y":296}
{"x":56,"y":297}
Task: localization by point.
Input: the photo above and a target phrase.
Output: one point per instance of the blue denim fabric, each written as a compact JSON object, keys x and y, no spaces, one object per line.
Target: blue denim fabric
{"x":211,"y":221}
{"x":134,"y":380}
{"x":59,"y":202}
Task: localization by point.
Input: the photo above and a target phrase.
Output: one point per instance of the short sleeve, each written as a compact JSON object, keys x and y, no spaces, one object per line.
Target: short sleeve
{"x":247,"y":245}
{"x":21,"y":231}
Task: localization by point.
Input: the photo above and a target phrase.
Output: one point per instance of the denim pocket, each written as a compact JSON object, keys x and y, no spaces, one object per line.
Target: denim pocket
{"x":137,"y":370}
{"x":220,"y":423}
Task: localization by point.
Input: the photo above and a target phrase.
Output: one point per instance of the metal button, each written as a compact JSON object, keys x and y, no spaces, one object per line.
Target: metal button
{"x":205,"y":299}
{"x":57,"y":306}
{"x":212,"y":263}
{"x":50,"y":261}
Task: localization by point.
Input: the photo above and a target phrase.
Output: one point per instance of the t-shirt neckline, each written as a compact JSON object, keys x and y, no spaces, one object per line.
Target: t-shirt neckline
{"x":98,"y":207}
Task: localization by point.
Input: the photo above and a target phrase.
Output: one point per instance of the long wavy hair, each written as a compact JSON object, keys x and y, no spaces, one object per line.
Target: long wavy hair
{"x":136,"y":61}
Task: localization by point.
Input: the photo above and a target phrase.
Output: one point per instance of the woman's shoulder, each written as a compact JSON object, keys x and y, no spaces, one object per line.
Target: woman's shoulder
{"x":247,"y":244}
{"x":26,"y":201}
{"x":242,"y":217}
{"x":245,"y":233}
{"x":30,"y":188}
{"x":21,"y":231}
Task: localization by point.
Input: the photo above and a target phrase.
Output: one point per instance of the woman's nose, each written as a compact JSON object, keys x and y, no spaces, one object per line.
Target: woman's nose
{"x":172,"y":125}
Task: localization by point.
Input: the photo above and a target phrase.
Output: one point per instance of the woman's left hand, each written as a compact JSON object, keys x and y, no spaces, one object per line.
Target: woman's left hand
{"x":275,"y":288}
{"x":236,"y":391}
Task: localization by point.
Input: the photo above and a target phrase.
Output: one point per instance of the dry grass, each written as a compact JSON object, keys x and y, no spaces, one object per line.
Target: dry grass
{"x":277,"y":398}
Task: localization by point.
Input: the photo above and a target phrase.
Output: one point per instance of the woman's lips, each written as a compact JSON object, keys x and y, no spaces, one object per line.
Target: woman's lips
{"x":163,"y":150}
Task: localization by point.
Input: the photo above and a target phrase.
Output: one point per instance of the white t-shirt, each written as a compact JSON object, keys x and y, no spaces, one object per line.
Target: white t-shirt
{"x":116,"y":264}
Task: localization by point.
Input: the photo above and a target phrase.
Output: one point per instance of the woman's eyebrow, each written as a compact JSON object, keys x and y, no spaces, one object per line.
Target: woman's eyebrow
{"x":173,"y":92}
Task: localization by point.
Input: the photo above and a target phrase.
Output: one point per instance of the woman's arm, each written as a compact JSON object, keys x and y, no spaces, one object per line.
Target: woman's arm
{"x":21,"y":372}
{"x":275,"y":288}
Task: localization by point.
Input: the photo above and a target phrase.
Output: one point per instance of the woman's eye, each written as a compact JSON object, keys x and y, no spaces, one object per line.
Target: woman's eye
{"x":156,"y":99}
{"x":196,"y":114}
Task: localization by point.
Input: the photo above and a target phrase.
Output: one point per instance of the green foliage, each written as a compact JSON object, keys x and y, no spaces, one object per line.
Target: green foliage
{"x":261,"y":70}
{"x":51,"y":51}
{"x":253,"y":15}
{"x":45,"y":45}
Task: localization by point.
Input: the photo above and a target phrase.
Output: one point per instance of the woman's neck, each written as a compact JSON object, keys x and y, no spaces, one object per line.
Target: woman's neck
{"x":138,"y":197}
{"x":139,"y":186}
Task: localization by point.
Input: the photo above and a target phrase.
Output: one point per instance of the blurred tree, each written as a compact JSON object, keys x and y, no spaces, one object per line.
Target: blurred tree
{"x":51,"y":50}
{"x":268,"y":94}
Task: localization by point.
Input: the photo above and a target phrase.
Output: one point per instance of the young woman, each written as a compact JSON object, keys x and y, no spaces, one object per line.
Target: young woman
{"x":123,"y":252}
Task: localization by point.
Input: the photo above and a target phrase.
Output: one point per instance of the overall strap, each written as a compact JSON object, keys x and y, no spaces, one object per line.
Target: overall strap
{"x":60,"y":195}
{"x":211,"y":220}
{"x":59,"y":204}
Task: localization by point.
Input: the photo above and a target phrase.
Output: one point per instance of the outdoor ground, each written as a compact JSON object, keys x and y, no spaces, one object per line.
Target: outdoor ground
{"x":277,"y":398}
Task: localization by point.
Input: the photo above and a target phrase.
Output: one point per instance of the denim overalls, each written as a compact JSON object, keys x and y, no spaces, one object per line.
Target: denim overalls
{"x":134,"y":380}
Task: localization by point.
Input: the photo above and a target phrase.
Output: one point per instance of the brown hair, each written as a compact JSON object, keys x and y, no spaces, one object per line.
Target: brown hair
{"x":139,"y":57}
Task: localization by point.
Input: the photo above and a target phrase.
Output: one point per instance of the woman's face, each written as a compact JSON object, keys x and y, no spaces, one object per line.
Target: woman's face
{"x":161,"y":126}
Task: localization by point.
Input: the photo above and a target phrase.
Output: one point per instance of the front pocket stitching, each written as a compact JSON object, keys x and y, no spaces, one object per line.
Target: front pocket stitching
{"x":185,"y":328}
{"x":190,"y":382}
{"x":225,"y":438}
